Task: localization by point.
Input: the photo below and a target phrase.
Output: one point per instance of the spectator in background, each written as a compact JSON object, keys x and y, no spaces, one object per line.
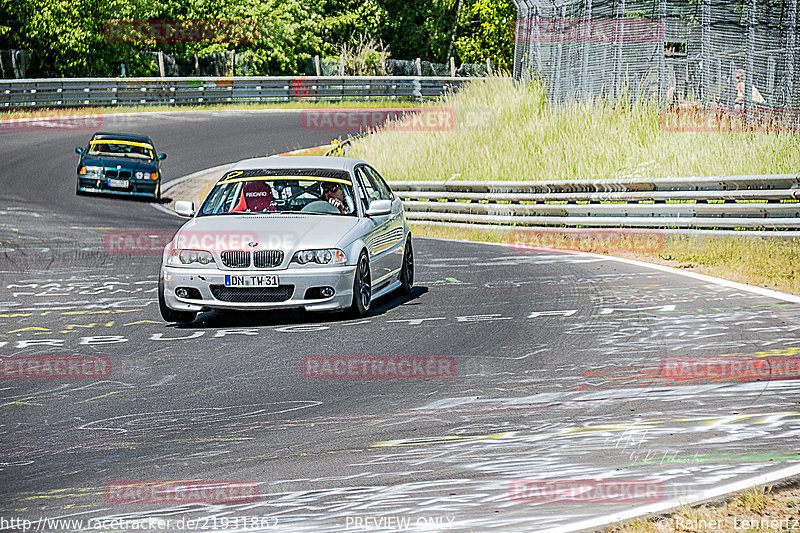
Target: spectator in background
{"x":739,"y":102}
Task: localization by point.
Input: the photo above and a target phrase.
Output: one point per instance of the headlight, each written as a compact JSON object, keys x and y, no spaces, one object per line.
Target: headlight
{"x":139,"y":175}
{"x":323,"y":257}
{"x":92,"y":172}
{"x":187,"y":257}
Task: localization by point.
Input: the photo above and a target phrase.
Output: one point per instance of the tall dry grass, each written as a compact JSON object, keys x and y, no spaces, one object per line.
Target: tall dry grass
{"x":507,"y":131}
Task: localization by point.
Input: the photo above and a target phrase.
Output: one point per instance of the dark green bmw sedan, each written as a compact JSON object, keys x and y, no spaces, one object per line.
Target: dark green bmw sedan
{"x":120,"y":164}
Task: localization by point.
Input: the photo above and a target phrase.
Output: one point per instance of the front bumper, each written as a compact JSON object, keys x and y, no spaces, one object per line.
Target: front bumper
{"x":100,"y":186}
{"x":302,"y":279}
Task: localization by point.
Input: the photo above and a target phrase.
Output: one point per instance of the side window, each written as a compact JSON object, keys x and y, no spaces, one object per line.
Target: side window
{"x":383,"y":189}
{"x":368,"y":192}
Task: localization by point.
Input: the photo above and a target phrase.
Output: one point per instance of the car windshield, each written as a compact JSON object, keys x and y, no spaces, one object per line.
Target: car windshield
{"x":307,"y":191}
{"x":121,"y":148}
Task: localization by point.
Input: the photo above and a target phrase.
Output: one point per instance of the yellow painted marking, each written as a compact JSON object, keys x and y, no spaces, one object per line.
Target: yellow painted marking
{"x":109,"y":324}
{"x":142,"y":322}
{"x":15,"y":315}
{"x":779,"y":352}
{"x":65,"y":493}
{"x":735,"y":418}
{"x":445,"y":439}
{"x":23,"y":401}
{"x":213,"y":439}
{"x":755,"y":418}
{"x":127,"y":143}
{"x":30,"y":328}
{"x":73,"y":326}
{"x":272,"y":178}
{"x":102,"y":396}
{"x":105,"y":312}
{"x":612,"y":427}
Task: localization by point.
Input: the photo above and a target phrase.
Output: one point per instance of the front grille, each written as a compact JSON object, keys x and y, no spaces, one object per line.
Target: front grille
{"x":112,"y":173}
{"x":252,"y":294}
{"x":267,"y":258}
{"x":235,"y":258}
{"x":125,"y":174}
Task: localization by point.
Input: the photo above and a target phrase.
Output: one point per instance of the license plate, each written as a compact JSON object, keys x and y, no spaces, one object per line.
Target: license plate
{"x":251,"y":281}
{"x":123,"y":184}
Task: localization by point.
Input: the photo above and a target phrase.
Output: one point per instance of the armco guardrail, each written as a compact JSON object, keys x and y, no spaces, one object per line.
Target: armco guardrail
{"x":79,"y":92}
{"x":749,"y":202}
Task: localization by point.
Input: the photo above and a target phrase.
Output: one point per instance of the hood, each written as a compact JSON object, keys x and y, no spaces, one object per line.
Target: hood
{"x":289,"y":232}
{"x":128,"y":163}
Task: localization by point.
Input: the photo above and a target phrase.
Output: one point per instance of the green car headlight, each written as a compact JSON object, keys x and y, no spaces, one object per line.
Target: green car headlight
{"x":93,"y":172}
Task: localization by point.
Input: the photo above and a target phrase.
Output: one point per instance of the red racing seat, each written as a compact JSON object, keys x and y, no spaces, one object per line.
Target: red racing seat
{"x":255,"y":196}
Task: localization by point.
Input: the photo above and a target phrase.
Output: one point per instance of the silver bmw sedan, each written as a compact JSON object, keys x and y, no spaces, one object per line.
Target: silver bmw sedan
{"x":321,"y":233}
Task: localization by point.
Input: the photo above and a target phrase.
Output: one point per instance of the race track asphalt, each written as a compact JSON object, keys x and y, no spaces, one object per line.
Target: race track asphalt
{"x":562,"y":373}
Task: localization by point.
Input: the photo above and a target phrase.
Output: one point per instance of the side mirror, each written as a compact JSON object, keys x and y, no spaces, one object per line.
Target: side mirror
{"x":184,"y":208}
{"x":78,"y":150}
{"x":162,"y":157}
{"x":379,"y":207}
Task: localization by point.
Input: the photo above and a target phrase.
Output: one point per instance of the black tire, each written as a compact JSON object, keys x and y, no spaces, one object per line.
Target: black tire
{"x":157,"y":195}
{"x":78,"y":190}
{"x":362,"y":287}
{"x":170,"y":315}
{"x":407,"y":269}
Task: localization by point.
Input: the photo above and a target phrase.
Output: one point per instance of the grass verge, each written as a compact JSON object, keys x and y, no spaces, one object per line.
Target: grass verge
{"x":507,"y":131}
{"x":770,"y":262}
{"x":756,"y":509}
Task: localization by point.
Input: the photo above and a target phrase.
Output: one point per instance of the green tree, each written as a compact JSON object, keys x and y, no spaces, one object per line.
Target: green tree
{"x":69,"y":38}
{"x":486,"y":31}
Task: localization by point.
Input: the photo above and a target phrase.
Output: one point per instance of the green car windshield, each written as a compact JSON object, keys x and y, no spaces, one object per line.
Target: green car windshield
{"x":117,"y":148}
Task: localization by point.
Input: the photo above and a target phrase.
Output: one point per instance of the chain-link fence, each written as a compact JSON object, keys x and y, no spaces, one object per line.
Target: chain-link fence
{"x":222,"y":64}
{"x":330,"y":66}
{"x":146,"y":63}
{"x":716,"y":53}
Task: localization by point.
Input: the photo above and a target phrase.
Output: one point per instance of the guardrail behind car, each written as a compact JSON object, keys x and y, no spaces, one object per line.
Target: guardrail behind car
{"x":83,"y":92}
{"x":724,"y":202}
